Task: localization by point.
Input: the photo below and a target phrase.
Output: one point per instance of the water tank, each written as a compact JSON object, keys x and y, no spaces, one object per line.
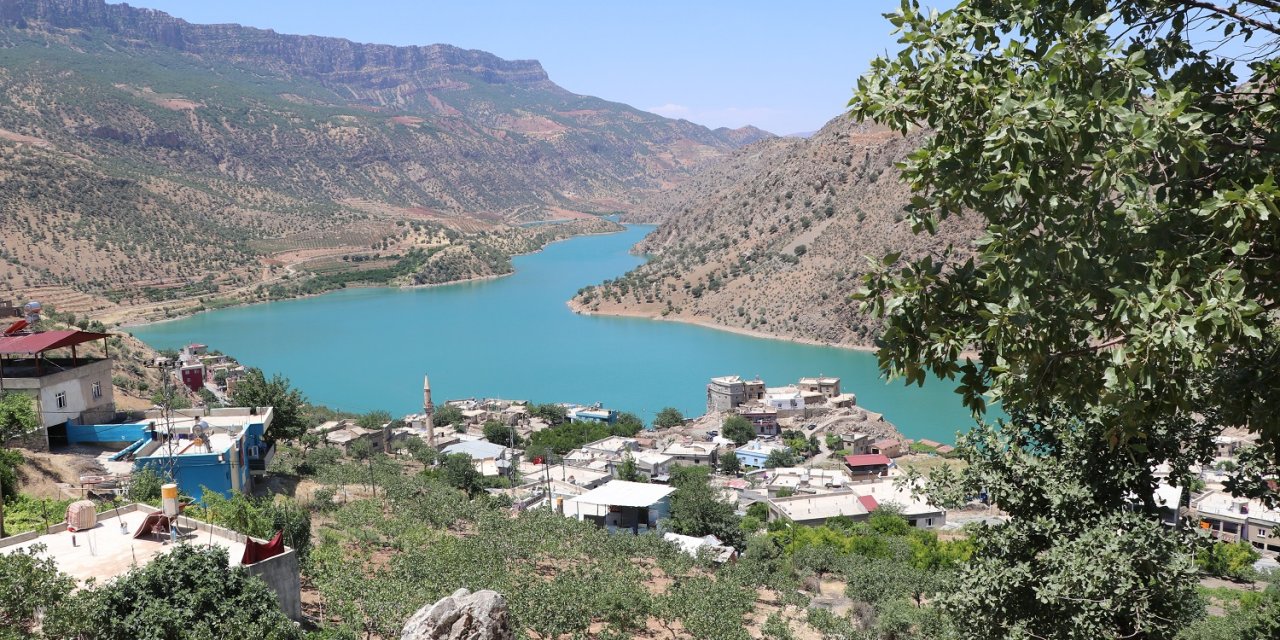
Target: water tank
{"x":169,"y":499}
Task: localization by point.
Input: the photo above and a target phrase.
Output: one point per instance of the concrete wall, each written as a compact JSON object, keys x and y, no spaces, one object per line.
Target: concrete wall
{"x":194,"y":472}
{"x":280,"y":572}
{"x":281,"y":575}
{"x":105,"y":433}
{"x":77,"y":383}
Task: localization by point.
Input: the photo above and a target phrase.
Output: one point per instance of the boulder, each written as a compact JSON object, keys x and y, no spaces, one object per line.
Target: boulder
{"x":464,"y":615}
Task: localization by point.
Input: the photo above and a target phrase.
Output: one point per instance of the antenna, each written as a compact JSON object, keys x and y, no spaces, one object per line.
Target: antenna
{"x":165,"y":366}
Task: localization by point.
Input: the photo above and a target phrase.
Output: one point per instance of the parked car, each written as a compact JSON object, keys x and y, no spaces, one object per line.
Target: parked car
{"x":812,"y":427}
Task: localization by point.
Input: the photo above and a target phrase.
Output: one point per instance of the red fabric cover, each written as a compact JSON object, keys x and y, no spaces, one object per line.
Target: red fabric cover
{"x":156,"y":523}
{"x":255,"y":551}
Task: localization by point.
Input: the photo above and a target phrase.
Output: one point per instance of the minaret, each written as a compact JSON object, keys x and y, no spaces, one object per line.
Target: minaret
{"x":429,"y":410}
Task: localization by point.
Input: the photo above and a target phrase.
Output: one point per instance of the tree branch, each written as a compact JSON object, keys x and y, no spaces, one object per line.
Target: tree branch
{"x":1233,"y":14}
{"x":1089,"y":349}
{"x":1248,"y":146}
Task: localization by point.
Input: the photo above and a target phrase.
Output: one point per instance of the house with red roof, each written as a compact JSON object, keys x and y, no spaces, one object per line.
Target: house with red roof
{"x":868,"y":465}
{"x":51,"y":367}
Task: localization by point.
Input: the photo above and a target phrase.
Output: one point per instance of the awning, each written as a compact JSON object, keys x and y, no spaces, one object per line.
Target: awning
{"x":46,"y":340}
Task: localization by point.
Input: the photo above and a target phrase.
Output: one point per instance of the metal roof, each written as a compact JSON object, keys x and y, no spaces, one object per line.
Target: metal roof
{"x":867,"y":460}
{"x":620,"y":493}
{"x":47,"y":340}
{"x":477,"y":449}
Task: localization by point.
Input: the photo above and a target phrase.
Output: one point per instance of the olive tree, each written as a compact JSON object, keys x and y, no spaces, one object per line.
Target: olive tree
{"x":1120,"y":300}
{"x":256,"y":390}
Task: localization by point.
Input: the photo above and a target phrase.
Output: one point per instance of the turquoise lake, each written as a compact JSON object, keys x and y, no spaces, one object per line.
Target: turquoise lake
{"x":513,"y":337}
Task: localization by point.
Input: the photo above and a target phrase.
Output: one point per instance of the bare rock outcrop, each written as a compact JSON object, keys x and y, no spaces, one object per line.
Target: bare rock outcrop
{"x":482,"y":615}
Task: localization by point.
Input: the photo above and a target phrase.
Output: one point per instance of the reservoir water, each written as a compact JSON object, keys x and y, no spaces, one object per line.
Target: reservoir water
{"x":513,"y":337}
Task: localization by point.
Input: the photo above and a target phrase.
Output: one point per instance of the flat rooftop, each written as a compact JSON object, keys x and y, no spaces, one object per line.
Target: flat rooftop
{"x":105,"y":552}
{"x":26,"y":367}
{"x":182,"y":423}
{"x":217,"y":443}
{"x":821,"y":506}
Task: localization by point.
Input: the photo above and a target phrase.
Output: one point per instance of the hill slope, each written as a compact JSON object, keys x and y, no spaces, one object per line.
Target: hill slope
{"x":138,"y":149}
{"x":772,"y":238}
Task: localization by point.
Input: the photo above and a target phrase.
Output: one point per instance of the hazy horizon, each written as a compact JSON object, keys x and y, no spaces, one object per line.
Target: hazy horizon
{"x":786,"y":69}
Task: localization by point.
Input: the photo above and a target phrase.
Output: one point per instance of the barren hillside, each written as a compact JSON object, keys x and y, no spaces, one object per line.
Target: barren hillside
{"x":773,"y":238}
{"x":142,"y":154}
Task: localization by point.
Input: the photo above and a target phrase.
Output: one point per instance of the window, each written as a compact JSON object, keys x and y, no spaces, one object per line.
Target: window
{"x":60,"y":399}
{"x":928,"y":522}
{"x":97,"y":391}
{"x":1262,"y":533}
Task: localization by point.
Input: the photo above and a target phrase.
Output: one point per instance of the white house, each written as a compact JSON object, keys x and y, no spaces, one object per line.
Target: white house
{"x":788,"y":400}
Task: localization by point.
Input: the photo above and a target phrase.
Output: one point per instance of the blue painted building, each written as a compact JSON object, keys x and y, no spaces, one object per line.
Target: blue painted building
{"x":217,"y":449}
{"x":755,"y":453}
{"x":594,"y":413}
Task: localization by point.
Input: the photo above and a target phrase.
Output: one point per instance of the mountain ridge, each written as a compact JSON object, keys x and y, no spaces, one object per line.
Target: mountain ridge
{"x":235,"y":153}
{"x":770,"y":240}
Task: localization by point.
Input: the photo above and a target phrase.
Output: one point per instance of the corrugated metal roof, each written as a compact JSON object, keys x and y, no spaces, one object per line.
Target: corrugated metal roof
{"x":477,"y":449}
{"x":866,"y":460}
{"x":46,"y":340}
{"x":620,"y":493}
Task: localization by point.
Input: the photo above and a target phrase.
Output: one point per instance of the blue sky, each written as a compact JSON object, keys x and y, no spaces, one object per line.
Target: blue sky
{"x":783,"y":66}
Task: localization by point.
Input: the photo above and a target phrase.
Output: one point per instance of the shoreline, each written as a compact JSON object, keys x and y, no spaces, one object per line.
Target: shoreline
{"x":249,"y":303}
{"x":577,"y":308}
{"x":707,"y":324}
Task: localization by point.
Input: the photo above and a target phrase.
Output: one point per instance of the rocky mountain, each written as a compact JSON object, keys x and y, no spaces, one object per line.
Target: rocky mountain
{"x":138,"y":150}
{"x":772,"y":238}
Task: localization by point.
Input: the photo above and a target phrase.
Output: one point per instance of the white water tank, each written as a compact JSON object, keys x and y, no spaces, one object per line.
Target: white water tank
{"x":169,"y":499}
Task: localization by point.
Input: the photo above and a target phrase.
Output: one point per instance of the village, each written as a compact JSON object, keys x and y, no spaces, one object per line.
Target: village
{"x":805,"y":454}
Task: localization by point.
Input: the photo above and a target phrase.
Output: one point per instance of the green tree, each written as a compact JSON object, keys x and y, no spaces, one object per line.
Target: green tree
{"x":627,"y":424}
{"x":10,"y":460}
{"x":421,"y":451}
{"x":1120,"y":297}
{"x":730,"y":465}
{"x":374,"y":419}
{"x":1228,"y":560}
{"x":499,"y":433}
{"x":214,"y":600}
{"x":738,"y":429}
{"x":628,"y":470}
{"x":446,"y":415}
{"x":459,"y":471}
{"x":144,"y":484}
{"x":259,"y":517}
{"x":698,"y":510}
{"x":668,"y":417}
{"x":780,"y":458}
{"x":552,"y":413}
{"x":29,"y":584}
{"x":17,"y":415}
{"x":362,"y":451}
{"x":174,"y":397}
{"x":255,"y":390}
